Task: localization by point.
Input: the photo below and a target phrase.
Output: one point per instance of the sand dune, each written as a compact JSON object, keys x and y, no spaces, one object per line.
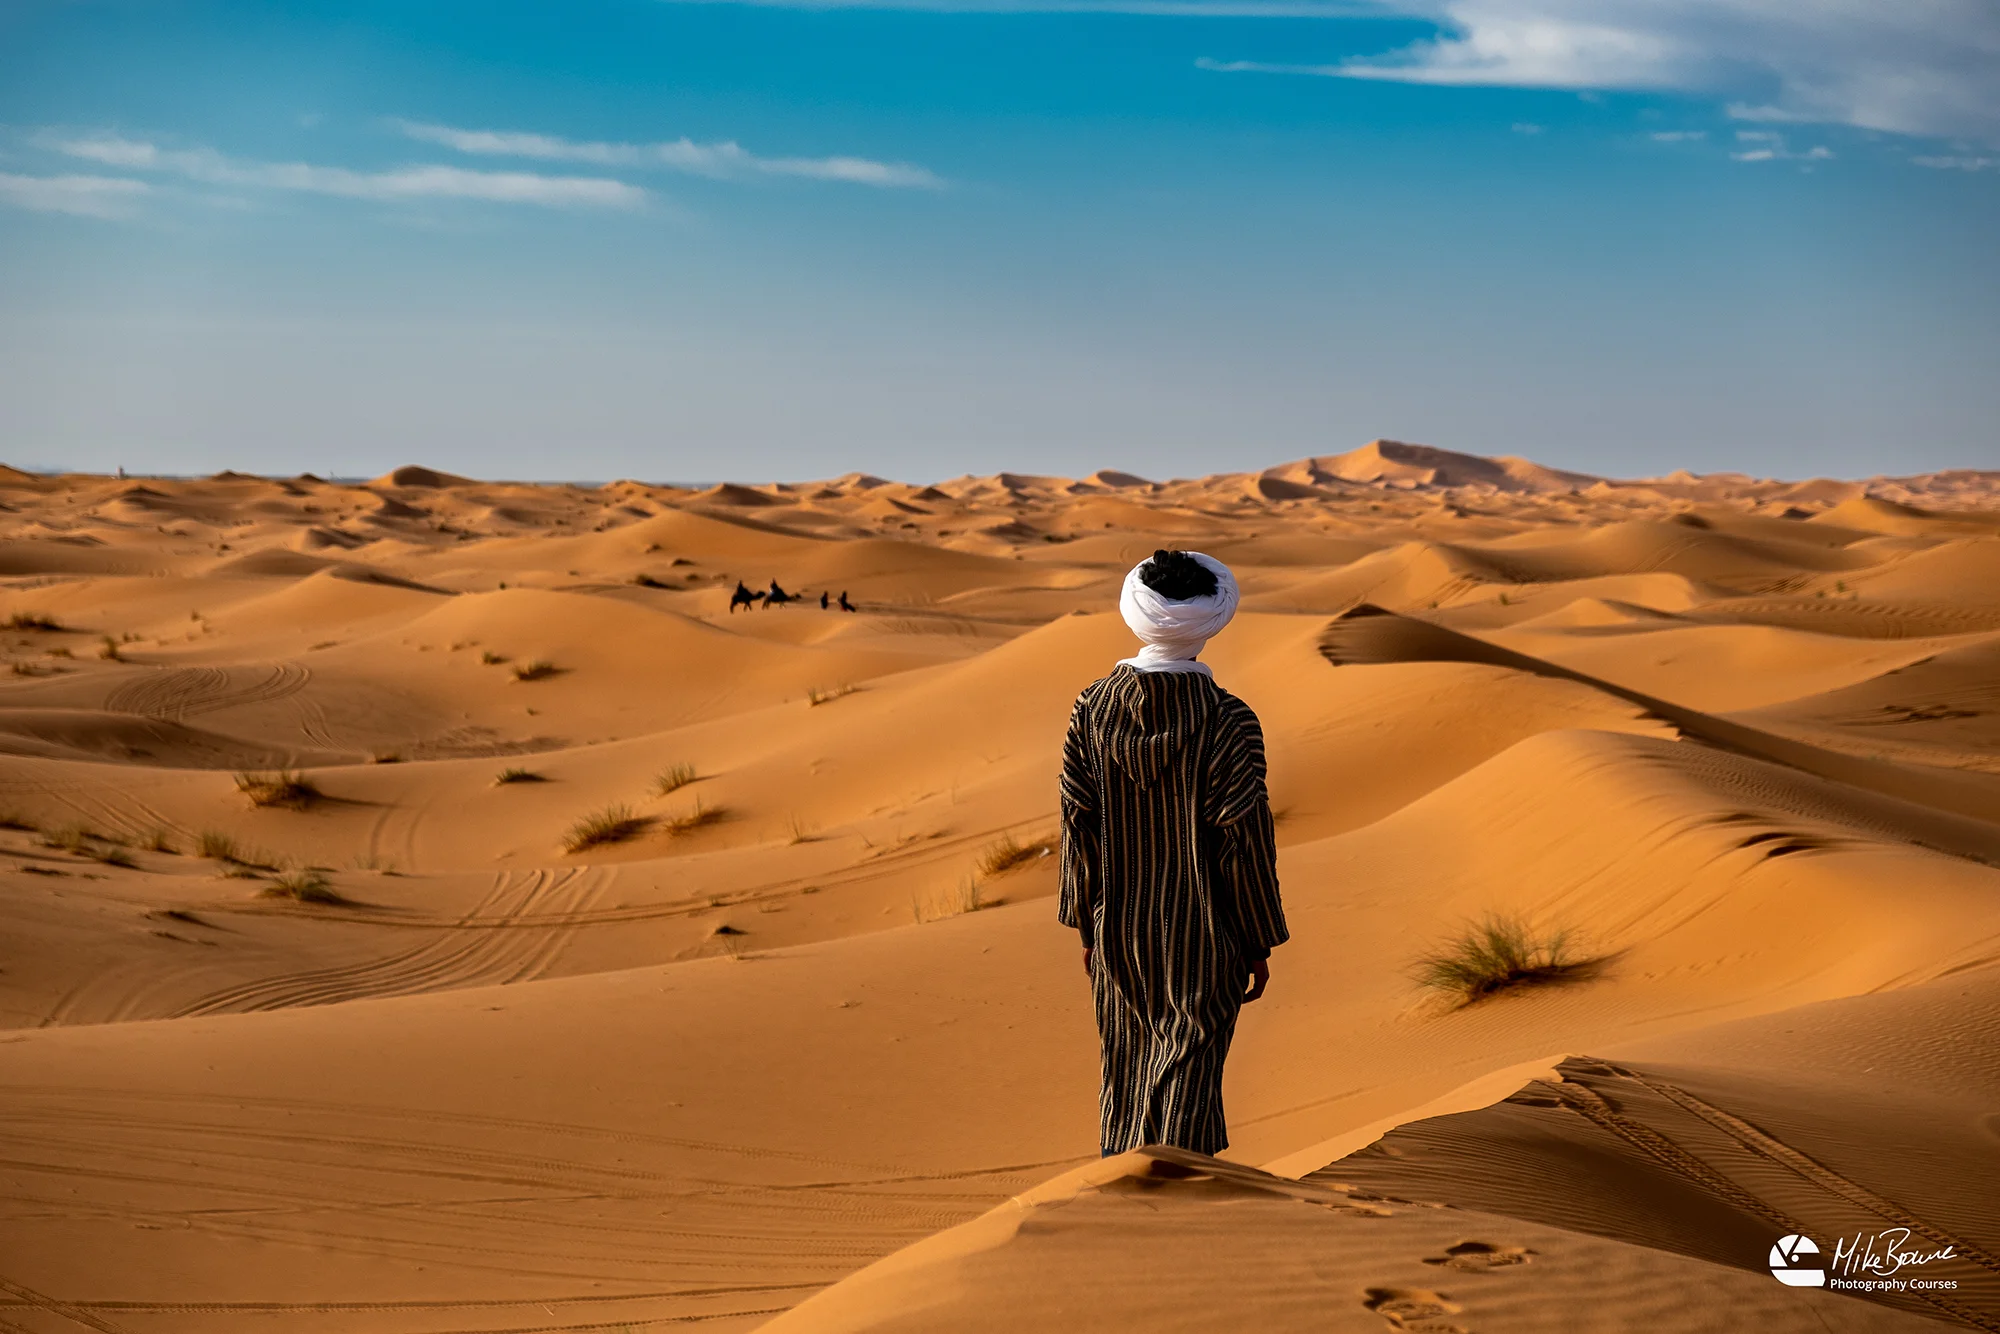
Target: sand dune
{"x":1874,"y":514}
{"x":1606,"y":1195}
{"x":795,"y":1038}
{"x":1370,"y":635}
{"x":1929,"y":709}
{"x":1162,"y":1240}
{"x":1393,"y":463}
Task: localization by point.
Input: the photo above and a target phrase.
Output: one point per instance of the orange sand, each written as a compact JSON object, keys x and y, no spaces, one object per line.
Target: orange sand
{"x":794,"y":1047}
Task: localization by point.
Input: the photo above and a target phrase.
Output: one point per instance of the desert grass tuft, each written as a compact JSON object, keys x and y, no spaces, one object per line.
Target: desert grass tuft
{"x":951,"y":901}
{"x":69,"y":838}
{"x":541,"y":669}
{"x":109,"y":650}
{"x":33,"y":620}
{"x":307,"y":886}
{"x":613,"y":824}
{"x":816,"y":696}
{"x":516,"y":774}
{"x":83,"y":841}
{"x":216,"y":846}
{"x":15,"y":820}
{"x":1501,"y":953}
{"x":1006,"y":854}
{"x":673,"y":778}
{"x":492,"y":659}
{"x":286,"y":788}
{"x":698,"y":818}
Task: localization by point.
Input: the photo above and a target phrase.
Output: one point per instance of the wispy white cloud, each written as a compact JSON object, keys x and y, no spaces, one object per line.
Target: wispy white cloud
{"x":85,"y":196}
{"x":724,"y":160}
{"x":1770,"y":146}
{"x":1167,"y":8}
{"x":1266,"y":67}
{"x":1767,"y":115}
{"x":1493,"y":46}
{"x":1528,"y":127}
{"x":1678,"y":136}
{"x":1957,"y":162}
{"x":1916,"y":67}
{"x":398,"y":184}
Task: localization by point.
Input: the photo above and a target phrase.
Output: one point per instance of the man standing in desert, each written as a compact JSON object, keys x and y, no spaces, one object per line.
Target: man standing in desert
{"x":1169,"y":864}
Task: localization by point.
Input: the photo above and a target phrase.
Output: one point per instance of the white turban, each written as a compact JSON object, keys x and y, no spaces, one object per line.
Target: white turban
{"x":1174,"y":632}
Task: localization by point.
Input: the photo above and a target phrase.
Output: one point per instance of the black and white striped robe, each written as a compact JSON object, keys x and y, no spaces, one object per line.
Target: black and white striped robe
{"x":1169,"y":871}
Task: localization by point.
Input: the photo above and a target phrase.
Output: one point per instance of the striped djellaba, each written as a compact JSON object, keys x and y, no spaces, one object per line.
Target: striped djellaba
{"x":1169,"y":871}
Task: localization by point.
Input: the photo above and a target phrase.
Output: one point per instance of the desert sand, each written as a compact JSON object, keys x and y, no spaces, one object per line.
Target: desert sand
{"x":326,"y":1009}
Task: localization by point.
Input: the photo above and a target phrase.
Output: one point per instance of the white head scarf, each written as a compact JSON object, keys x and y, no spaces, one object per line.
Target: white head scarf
{"x":1174,"y":632}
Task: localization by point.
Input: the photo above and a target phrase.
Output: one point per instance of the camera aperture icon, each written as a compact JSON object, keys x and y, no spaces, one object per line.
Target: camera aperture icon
{"x":1794,"y":1263}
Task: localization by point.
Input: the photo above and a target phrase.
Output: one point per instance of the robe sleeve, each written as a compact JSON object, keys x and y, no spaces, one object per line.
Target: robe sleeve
{"x":1238,"y":809}
{"x":1082,"y":833}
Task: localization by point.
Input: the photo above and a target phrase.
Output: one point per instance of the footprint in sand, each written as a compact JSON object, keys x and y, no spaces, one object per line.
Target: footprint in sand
{"x":1418,"y":1310}
{"x":1480,"y":1256}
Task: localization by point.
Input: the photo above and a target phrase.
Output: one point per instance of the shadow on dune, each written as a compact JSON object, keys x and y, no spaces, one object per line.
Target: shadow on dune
{"x":1855,"y":1118}
{"x":1964,"y":807}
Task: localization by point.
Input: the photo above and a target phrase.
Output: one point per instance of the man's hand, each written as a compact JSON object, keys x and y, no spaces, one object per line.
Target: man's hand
{"x":1260,"y":977}
{"x":1087,"y":952}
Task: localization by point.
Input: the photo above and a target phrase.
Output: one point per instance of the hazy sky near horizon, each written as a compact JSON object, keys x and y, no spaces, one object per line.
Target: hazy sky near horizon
{"x":678,"y":240}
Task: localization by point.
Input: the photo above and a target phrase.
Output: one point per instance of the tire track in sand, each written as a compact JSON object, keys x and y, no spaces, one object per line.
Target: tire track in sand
{"x":37,"y":1301}
{"x":175,"y":694}
{"x":500,"y":941}
{"x":1595,"y":1107}
{"x":568,"y":1203}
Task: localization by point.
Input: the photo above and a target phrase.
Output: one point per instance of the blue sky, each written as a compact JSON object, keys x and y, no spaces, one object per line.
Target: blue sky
{"x":705,"y":240}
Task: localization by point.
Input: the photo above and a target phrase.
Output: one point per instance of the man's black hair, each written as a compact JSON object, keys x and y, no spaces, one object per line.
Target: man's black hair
{"x":1177,"y":576}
